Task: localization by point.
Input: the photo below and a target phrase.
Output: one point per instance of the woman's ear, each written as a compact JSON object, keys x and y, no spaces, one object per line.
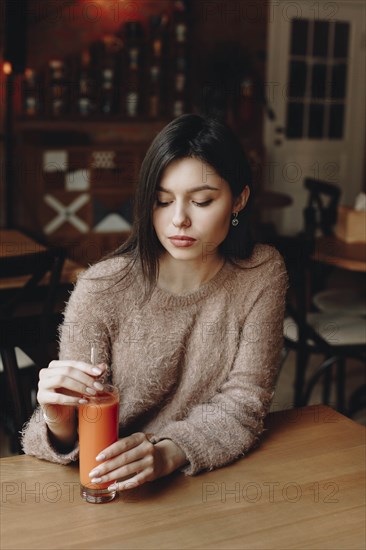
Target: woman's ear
{"x":242,"y":200}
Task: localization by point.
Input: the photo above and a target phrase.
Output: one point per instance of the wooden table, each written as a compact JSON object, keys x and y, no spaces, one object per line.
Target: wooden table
{"x":338,"y":253}
{"x":13,"y":242}
{"x":302,"y":488}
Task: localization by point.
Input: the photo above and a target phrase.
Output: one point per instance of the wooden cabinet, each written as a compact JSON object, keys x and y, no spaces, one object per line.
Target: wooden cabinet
{"x":76,"y":180}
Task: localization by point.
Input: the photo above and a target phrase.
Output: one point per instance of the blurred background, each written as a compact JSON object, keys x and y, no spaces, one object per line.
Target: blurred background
{"x":85,"y":87}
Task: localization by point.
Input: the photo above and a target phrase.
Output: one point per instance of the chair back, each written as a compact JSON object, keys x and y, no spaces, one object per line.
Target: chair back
{"x":321,"y":210}
{"x":28,"y":321}
{"x":31,"y":269}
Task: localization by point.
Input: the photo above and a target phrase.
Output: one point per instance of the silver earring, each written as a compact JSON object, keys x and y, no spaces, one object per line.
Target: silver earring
{"x":235,"y":220}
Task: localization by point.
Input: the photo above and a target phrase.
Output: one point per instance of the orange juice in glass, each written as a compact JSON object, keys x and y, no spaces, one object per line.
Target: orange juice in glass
{"x":98,"y":428}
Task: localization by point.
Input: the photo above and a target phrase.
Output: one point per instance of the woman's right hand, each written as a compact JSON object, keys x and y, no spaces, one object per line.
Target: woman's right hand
{"x":62,"y":386}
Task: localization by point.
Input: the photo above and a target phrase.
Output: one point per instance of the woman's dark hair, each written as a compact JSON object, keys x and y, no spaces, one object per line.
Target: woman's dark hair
{"x":189,"y":136}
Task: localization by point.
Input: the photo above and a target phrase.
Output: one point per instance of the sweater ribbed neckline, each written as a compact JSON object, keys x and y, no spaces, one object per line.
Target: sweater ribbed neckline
{"x":164,"y":298}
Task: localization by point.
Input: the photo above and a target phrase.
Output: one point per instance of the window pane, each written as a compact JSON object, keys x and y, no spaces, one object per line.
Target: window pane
{"x":316,"y":120}
{"x":320,"y":42}
{"x":341,"y":39}
{"x":299,"y":33}
{"x":338,"y":89}
{"x":336,"y":121}
{"x":295,"y":116}
{"x":297,"y":79}
{"x":318,"y":81}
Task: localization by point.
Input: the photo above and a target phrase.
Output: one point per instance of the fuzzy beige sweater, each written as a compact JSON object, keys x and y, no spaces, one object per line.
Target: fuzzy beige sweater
{"x":197,"y":368}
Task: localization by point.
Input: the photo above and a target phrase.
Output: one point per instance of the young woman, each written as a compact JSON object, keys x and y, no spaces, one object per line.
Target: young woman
{"x":187,"y":313}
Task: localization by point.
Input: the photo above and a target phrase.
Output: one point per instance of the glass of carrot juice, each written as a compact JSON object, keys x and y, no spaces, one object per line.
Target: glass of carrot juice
{"x":98,"y":428}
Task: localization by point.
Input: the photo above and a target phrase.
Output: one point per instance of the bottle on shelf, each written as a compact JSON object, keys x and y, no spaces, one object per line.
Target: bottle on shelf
{"x":132,"y":104}
{"x":178,"y":79}
{"x":109,"y":50}
{"x":57,"y":89}
{"x":31,"y":93}
{"x":156,"y":55}
{"x":86,"y":85}
{"x":247,"y":103}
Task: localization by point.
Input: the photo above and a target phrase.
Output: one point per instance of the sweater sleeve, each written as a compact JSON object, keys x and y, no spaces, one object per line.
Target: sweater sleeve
{"x":82,"y":325}
{"x":217,"y":432}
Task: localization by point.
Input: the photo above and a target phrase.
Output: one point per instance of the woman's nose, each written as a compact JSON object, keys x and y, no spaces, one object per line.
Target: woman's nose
{"x":180,"y":217}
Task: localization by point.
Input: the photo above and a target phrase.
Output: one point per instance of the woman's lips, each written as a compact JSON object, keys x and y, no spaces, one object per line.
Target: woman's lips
{"x":182,"y":241}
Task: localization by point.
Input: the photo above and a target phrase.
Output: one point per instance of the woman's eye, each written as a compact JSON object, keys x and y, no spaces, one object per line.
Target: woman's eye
{"x":196,"y":203}
{"x":206,"y":203}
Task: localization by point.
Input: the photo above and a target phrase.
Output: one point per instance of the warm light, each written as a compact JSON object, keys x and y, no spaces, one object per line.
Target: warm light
{"x":103,"y":2}
{"x":7,"y":68}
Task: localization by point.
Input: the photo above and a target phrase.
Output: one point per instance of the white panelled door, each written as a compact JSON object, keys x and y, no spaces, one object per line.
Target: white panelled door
{"x":316,"y":88}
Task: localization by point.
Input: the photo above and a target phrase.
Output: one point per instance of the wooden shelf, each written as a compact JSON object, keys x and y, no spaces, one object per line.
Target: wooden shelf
{"x":136,"y":131}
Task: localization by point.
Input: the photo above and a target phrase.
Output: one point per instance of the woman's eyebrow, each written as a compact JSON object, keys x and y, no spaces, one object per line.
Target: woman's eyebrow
{"x":193,"y":190}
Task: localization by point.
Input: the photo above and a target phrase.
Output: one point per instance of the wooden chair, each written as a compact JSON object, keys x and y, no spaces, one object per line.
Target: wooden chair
{"x":321,"y":210}
{"x":28,"y":322}
{"x":337,"y":335}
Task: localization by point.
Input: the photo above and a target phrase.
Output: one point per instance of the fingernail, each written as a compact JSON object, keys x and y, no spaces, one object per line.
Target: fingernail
{"x":98,"y":385}
{"x":96,"y":480}
{"x":102,"y":366}
{"x":83,"y":401}
{"x":112,"y":487}
{"x":94,"y":472}
{"x":91,"y":391}
{"x":96,"y":370}
{"x":101,"y":456}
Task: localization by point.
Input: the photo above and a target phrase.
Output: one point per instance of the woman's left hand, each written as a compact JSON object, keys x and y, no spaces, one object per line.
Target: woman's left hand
{"x":135,"y":454}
